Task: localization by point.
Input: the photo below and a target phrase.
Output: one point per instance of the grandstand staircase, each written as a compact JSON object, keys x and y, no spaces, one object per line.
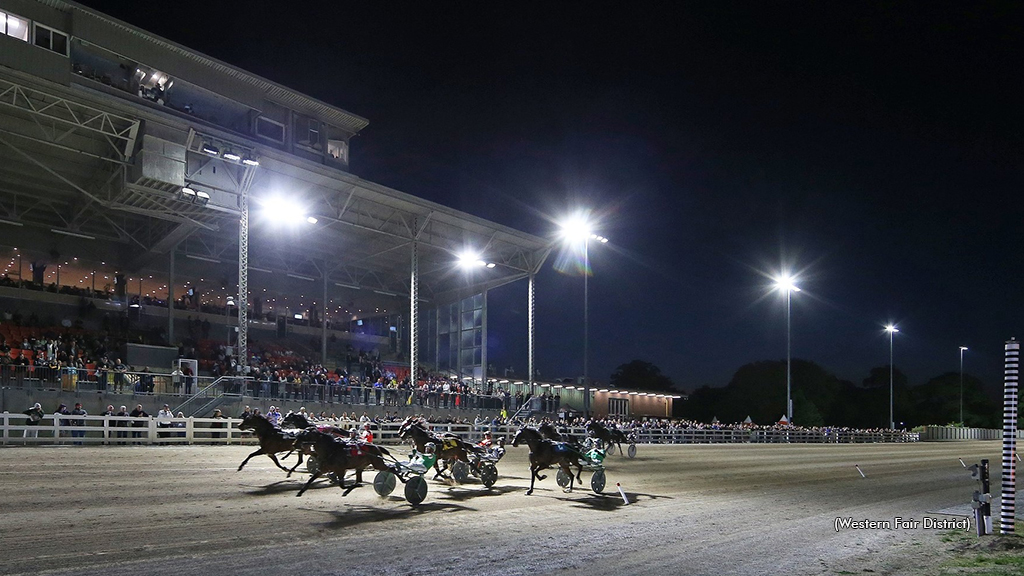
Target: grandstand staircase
{"x":204,"y":401}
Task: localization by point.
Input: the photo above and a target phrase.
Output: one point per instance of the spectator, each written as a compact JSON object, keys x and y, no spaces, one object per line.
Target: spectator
{"x":274,"y":415}
{"x":138,"y":413}
{"x":108,"y":412}
{"x":218,"y":415}
{"x":176,"y":376}
{"x":78,"y":422}
{"x":35,"y":416}
{"x":62,"y":410}
{"x":180,"y":424}
{"x":122,"y":413}
{"x":164,"y":419}
{"x":366,"y":435}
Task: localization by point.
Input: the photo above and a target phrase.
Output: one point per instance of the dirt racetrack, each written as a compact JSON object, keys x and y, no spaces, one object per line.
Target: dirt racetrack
{"x":697,"y":509}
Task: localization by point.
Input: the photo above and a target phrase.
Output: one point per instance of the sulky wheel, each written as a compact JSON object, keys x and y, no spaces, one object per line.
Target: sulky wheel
{"x":597,"y":481}
{"x":488,"y":474}
{"x":384,"y":483}
{"x":631,"y":451}
{"x":460,"y":471}
{"x":562,"y":478}
{"x":415,"y":490}
{"x":312,"y":464}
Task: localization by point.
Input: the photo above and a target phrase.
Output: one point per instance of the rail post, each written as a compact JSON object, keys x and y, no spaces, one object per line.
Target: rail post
{"x":1009,"y":472}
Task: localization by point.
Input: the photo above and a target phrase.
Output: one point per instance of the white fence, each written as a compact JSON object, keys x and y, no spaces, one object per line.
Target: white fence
{"x":113,"y":430}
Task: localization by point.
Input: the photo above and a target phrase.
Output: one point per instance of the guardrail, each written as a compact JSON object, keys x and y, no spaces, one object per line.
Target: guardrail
{"x":70,"y":429}
{"x":944,"y":433}
{"x":117,"y":430}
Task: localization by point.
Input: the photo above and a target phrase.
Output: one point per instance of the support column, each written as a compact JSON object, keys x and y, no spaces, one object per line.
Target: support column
{"x":243,"y":274}
{"x":1010,"y":402}
{"x":323,"y":324}
{"x":170,"y":296}
{"x":483,"y":341}
{"x":414,"y":309}
{"x":531,"y":295}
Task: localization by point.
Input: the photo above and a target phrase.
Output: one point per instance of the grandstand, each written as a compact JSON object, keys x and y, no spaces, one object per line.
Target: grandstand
{"x":173,"y":205}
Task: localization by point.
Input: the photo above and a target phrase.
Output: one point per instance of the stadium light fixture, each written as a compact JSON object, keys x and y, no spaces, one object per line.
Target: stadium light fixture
{"x":785,"y":283}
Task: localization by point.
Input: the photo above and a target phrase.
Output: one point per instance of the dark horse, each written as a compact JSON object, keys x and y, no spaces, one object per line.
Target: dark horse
{"x":545,"y":453}
{"x":449,"y":447}
{"x":337,"y":456}
{"x":548,"y":430}
{"x":607,"y":435}
{"x":272,"y":440}
{"x":296,"y":420}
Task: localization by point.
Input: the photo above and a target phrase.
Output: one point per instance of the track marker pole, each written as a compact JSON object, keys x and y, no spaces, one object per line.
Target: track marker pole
{"x":623,"y":493}
{"x":859,"y":470}
{"x":1007,"y":511}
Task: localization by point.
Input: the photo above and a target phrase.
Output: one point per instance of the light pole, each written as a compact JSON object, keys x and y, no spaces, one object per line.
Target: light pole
{"x":891,"y":330}
{"x":227,"y":316}
{"x":576,"y":230}
{"x":962,"y":348}
{"x":786,"y":283}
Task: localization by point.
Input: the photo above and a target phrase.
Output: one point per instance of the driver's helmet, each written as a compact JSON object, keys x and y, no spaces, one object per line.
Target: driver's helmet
{"x":501,"y":440}
{"x":428,"y":448}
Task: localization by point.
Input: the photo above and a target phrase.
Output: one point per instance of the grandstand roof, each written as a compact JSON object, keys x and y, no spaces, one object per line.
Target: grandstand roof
{"x":69,"y":154}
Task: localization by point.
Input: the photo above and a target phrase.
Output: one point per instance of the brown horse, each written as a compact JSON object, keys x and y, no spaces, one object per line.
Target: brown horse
{"x":273,"y":440}
{"x":545,"y":453}
{"x":449,"y":447}
{"x":607,"y":435}
{"x":337,"y":456}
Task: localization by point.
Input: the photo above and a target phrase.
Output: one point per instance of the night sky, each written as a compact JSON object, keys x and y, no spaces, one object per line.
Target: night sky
{"x":874,"y":149}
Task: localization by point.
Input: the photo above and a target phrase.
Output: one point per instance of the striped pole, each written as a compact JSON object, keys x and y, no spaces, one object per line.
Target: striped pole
{"x":1007,"y":510}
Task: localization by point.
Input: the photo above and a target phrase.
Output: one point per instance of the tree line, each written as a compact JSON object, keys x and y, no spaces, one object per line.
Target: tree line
{"x":820,"y":398}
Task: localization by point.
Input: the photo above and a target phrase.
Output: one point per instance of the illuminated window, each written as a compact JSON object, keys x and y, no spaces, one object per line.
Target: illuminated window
{"x":53,"y":40}
{"x":13,"y":26}
{"x":270,"y":129}
{"x":338,"y":149}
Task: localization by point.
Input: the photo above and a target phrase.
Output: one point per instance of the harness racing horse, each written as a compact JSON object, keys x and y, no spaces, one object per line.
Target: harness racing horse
{"x":607,"y":435}
{"x":545,"y":453}
{"x":449,"y":447}
{"x":296,"y":420}
{"x":548,"y":430}
{"x":337,"y":456}
{"x":272,"y":440}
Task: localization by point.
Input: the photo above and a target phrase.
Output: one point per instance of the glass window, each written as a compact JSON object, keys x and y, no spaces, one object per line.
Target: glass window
{"x":314,"y":132}
{"x":338,"y":149}
{"x":51,"y":39}
{"x":270,"y":129}
{"x":11,"y":25}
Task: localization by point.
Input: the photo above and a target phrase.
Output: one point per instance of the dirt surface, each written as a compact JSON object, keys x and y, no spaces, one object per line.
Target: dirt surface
{"x":707,"y":509}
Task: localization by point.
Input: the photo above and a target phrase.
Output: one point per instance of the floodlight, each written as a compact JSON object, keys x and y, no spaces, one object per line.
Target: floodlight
{"x":229,"y":155}
{"x":211,"y":149}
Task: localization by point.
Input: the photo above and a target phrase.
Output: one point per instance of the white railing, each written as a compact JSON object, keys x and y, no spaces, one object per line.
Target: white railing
{"x":114,"y":430}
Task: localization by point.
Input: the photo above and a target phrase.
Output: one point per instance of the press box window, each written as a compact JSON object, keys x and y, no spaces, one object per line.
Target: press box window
{"x":53,"y":40}
{"x":11,"y":25}
{"x":338,"y":149}
{"x":269,"y":129}
{"x":618,"y":407}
